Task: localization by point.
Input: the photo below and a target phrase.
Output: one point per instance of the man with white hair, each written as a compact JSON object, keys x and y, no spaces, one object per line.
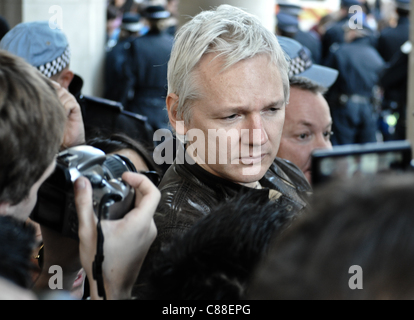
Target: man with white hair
{"x":227,"y":83}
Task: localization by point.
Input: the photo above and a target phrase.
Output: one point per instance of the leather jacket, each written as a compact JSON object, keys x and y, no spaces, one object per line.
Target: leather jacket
{"x":188,"y":193}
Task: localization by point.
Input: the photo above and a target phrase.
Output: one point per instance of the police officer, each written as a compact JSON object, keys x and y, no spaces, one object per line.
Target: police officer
{"x":394,"y":80}
{"x":48,"y":50}
{"x":150,"y":55}
{"x":288,"y":17}
{"x":335,"y":34}
{"x":350,"y":97}
{"x":391,"y":39}
{"x":394,"y":47}
{"x":118,"y":76}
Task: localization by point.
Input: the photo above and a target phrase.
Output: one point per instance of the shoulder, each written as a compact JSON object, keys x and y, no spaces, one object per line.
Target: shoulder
{"x":289,"y":172}
{"x":184,"y":198}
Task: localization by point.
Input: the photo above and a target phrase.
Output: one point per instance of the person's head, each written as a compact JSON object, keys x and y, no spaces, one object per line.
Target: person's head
{"x":43,"y":47}
{"x":308,"y":119}
{"x":129,"y":148}
{"x":287,"y":25}
{"x":32,"y":123}
{"x":366,"y":223}
{"x":403,"y":7}
{"x":131,"y":25}
{"x":346,"y":4}
{"x":215,"y":259}
{"x":307,"y":126}
{"x":156,"y":16}
{"x":227,"y":72}
{"x":172,"y":7}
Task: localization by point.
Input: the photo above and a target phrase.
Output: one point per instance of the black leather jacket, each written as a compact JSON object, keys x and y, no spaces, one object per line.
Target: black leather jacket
{"x":188,"y":193}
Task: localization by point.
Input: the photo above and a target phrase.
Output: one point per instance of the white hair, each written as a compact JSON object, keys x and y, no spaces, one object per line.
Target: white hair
{"x":234,"y":35}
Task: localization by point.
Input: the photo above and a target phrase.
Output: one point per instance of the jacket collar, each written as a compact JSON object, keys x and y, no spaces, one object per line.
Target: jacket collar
{"x":274,"y":178}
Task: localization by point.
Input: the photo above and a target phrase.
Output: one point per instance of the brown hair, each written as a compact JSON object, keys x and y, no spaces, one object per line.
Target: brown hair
{"x":32,"y":122}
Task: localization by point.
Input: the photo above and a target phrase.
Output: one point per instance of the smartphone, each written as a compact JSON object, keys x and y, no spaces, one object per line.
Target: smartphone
{"x":348,"y":161}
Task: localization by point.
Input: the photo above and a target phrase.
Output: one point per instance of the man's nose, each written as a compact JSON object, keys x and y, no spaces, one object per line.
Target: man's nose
{"x":322,"y":142}
{"x":256,"y":131}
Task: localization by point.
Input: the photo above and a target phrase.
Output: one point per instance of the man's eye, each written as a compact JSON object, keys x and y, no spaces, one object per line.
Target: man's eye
{"x":233,"y":116}
{"x":328,"y":134}
{"x":303,"y":136}
{"x":273,"y":110}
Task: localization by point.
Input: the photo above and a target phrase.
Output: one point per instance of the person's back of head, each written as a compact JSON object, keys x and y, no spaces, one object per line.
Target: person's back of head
{"x":32,"y":123}
{"x":216,"y":257}
{"x":361,"y":223}
{"x":227,"y":31}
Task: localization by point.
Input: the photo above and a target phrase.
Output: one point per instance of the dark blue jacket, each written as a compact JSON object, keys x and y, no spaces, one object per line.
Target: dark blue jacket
{"x":359,"y":65}
{"x":391,"y":39}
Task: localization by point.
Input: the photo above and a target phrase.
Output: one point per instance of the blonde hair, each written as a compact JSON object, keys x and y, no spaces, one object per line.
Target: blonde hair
{"x":230,"y":32}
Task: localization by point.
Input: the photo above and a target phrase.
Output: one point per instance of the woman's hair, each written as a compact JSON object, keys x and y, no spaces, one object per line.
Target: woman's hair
{"x":32,"y":122}
{"x":227,"y":31}
{"x":118,"y":141}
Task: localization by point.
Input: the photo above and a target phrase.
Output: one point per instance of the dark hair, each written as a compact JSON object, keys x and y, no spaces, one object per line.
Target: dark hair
{"x":17,"y":242}
{"x":119,"y":141}
{"x":215,"y":258}
{"x":307,"y":84}
{"x":32,"y":122}
{"x":358,"y":222}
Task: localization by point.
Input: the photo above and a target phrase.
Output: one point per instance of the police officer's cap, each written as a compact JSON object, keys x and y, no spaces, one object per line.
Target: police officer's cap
{"x":42,"y":45}
{"x":350,"y":3}
{"x":300,"y":64}
{"x":287,"y":23}
{"x":130,"y":22}
{"x":156,"y":12}
{"x":289,"y":7}
{"x":403,"y":4}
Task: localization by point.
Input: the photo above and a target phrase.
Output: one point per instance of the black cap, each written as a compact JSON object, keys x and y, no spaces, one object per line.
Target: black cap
{"x":156,"y":12}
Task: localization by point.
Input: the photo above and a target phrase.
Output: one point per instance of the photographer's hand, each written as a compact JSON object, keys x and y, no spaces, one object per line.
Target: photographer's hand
{"x":74,"y":130}
{"x":126,"y":240}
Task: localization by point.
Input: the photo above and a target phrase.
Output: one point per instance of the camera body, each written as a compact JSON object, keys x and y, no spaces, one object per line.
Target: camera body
{"x":112,"y":197}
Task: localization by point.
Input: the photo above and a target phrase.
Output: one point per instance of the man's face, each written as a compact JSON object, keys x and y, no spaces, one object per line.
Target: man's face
{"x":307,"y":127}
{"x":246,"y":101}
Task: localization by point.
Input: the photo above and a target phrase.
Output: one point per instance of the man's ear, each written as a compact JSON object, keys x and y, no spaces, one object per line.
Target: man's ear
{"x":65,"y":78}
{"x":172,"y":103}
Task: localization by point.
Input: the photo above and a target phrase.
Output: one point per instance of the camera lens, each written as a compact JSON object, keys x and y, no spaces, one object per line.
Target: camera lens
{"x":115,"y":166}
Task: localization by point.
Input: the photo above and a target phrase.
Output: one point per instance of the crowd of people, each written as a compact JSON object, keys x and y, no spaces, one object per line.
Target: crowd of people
{"x":366,"y":45}
{"x":237,"y":219}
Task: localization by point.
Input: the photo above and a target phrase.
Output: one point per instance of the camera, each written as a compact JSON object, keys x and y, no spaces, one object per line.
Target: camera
{"x":112,"y":197}
{"x":348,"y":161}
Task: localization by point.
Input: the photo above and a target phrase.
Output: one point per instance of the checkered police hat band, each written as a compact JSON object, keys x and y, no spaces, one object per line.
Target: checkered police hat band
{"x":51,"y":68}
{"x":299,"y":64}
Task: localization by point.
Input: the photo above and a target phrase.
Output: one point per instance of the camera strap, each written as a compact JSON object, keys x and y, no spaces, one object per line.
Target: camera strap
{"x":106,"y":201}
{"x":99,"y":258}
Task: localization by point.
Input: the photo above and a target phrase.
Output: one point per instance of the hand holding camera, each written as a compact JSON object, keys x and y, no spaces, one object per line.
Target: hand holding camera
{"x":127,"y":240}
{"x":89,"y":188}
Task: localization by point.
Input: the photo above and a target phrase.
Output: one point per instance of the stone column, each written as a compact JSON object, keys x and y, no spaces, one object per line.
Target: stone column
{"x":83,"y":22}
